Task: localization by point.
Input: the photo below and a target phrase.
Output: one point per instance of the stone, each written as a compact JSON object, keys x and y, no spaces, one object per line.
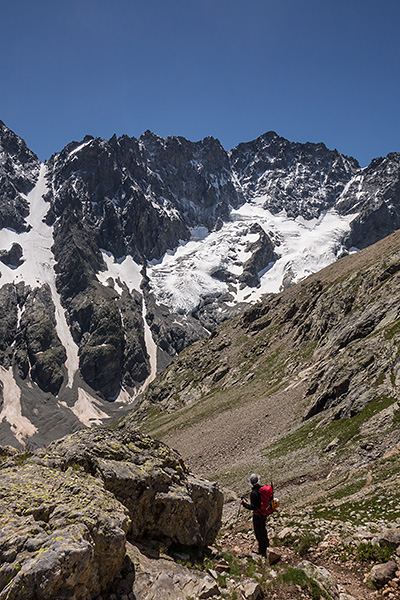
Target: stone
{"x":389,"y":537}
{"x":251,"y":590}
{"x":273,"y":557}
{"x":381,"y":574}
{"x":285,"y":533}
{"x":164,"y":500}
{"x":322,"y":577}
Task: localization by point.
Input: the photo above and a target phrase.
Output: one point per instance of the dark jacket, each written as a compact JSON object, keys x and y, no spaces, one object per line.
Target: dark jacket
{"x":255,"y":499}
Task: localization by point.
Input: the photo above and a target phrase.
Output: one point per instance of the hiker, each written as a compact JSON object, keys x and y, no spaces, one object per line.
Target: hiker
{"x":259,"y":516}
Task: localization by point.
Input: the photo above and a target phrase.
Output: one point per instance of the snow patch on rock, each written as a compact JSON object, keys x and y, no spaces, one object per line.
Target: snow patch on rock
{"x":11,"y":410}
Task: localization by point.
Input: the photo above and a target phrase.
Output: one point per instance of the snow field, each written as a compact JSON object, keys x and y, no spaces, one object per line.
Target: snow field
{"x":184,"y":276}
{"x":38,"y":265}
{"x":125,"y":270}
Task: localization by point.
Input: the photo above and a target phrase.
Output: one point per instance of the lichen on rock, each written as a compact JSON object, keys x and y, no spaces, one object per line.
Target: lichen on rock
{"x":164,"y":500}
{"x":59,"y":531}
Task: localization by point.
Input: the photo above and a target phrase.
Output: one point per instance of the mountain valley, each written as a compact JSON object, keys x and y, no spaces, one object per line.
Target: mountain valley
{"x":240,"y":307}
{"x":117,"y":255}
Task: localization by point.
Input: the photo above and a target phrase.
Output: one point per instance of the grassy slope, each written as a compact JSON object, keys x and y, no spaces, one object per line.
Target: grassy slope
{"x":327,"y":347}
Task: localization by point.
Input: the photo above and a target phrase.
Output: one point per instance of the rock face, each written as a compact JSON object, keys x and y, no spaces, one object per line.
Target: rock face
{"x":60,"y":533}
{"x":302,"y":179}
{"x":133,"y":249}
{"x":66,"y":512}
{"x":19,"y":169}
{"x":163,"y":500}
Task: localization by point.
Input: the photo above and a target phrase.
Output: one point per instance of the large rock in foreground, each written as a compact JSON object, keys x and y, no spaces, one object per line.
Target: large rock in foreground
{"x":165,"y":502}
{"x":59,"y":533}
{"x":66,"y":512}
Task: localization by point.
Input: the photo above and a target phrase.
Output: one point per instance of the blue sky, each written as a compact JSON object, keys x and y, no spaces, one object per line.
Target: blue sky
{"x":311,"y":70}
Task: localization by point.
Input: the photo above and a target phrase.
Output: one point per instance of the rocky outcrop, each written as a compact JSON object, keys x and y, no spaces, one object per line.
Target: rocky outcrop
{"x":164,"y":501}
{"x":66,"y":512}
{"x":60,"y":532}
{"x":19,"y":168}
{"x":262,"y":254}
{"x":8,"y":321}
{"x":13,"y":256}
{"x":40,"y":353}
{"x":373,"y":196}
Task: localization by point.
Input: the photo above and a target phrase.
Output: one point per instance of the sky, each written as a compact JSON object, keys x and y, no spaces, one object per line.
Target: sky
{"x":311,"y":70}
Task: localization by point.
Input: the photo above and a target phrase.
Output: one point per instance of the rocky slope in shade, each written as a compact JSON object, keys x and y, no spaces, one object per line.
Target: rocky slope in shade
{"x":308,"y":379}
{"x":66,"y":512}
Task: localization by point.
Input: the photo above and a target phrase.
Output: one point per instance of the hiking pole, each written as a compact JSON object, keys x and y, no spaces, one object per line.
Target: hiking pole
{"x":240,"y":506}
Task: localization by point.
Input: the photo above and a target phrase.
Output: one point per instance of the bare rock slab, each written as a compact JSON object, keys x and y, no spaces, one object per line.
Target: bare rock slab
{"x":165,"y":502}
{"x":162,"y":578}
{"x":58,"y":532}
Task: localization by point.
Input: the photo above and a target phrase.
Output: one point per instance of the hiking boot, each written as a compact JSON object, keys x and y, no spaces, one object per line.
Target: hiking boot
{"x":258,"y":553}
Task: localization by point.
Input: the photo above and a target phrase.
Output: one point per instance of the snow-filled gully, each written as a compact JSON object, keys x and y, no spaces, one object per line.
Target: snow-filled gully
{"x":38,"y":265}
{"x":37,"y":269}
{"x":127,"y":271}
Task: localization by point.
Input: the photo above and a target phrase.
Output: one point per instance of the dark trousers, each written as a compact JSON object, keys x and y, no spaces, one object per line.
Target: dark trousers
{"x":261,"y":533}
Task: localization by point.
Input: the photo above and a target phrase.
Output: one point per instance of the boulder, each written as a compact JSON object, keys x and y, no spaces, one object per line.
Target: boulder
{"x":59,"y":533}
{"x":389,"y":537}
{"x":381,"y":574}
{"x":251,"y":590}
{"x":165,"y":502}
{"x":322,"y":577}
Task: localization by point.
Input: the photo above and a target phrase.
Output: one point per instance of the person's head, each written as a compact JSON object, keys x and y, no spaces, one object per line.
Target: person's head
{"x":254,"y":479}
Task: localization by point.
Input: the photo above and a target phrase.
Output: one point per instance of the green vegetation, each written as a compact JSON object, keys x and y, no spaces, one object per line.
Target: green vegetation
{"x":21,"y":458}
{"x":393,"y":331}
{"x":300,"y":542}
{"x":382,"y":504}
{"x":343,"y":429}
{"x":297,"y":577}
{"x":366,"y":552}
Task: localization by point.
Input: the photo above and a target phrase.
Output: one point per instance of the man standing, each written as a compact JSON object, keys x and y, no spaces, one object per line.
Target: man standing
{"x":261,"y":507}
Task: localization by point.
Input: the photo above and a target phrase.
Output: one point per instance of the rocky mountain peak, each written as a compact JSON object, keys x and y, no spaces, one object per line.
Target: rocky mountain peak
{"x":143,"y":246}
{"x":19,"y":169}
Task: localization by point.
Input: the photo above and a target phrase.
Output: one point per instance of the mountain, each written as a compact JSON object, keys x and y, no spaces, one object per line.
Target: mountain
{"x":116,"y":255}
{"x":302,"y":388}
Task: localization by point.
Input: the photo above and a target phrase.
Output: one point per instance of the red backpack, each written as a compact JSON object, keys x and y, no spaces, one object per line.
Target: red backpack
{"x":267,"y":496}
